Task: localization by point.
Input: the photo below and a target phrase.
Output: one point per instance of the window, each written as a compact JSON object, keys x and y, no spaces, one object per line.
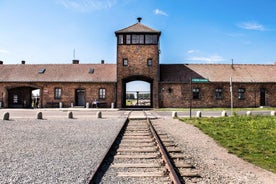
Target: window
{"x":218,"y":93}
{"x":151,"y":39}
{"x":121,"y":39}
{"x":42,"y":70}
{"x":57,"y":93}
{"x":196,"y":93}
{"x":91,"y":70}
{"x":15,"y":99}
{"x":241,"y":93}
{"x":135,"y":39}
{"x":128,"y":40}
{"x":141,"y":41}
{"x":101,"y":93}
{"x":149,"y":62}
{"x":125,"y":62}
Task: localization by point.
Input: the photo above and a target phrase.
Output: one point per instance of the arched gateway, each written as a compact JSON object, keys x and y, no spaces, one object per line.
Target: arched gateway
{"x":137,"y":60}
{"x":137,"y":92}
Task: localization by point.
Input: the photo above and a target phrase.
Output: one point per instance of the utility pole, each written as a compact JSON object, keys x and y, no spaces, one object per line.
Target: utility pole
{"x":231,"y":93}
{"x":191,"y":97}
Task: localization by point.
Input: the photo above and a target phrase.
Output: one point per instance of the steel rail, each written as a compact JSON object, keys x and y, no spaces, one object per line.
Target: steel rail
{"x":172,"y":173}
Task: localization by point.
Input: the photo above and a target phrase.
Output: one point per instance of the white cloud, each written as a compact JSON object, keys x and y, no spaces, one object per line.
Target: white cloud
{"x":87,"y":5}
{"x":208,"y":59}
{"x":191,"y":51}
{"x":251,"y":26}
{"x":160,"y":12}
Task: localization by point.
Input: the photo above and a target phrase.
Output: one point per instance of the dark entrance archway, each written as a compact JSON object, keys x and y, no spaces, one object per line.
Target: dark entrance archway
{"x":22,"y":97}
{"x":137,"y":92}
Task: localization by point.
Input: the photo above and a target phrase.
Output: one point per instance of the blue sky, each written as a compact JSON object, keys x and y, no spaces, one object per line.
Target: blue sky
{"x":193,"y":31}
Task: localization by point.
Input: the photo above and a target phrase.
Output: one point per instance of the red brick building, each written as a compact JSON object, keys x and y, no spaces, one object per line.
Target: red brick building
{"x":171,"y":85}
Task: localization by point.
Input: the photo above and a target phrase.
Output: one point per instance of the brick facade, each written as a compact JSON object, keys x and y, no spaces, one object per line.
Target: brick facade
{"x":68,"y":93}
{"x":137,"y":68}
{"x":178,"y":95}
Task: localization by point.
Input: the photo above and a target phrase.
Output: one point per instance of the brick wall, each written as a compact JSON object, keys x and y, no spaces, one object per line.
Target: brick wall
{"x":137,"y":56}
{"x":178,"y":95}
{"x":68,"y":92}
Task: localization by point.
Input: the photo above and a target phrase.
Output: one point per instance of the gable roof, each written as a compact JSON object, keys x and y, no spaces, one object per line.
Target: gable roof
{"x":138,"y":28}
{"x":181,"y":73}
{"x":58,"y":73}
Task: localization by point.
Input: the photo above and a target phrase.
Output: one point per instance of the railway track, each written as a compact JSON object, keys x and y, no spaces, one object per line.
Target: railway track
{"x":142,"y":154}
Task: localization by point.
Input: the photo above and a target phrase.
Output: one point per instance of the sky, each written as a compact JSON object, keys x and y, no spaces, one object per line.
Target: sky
{"x":193,"y":31}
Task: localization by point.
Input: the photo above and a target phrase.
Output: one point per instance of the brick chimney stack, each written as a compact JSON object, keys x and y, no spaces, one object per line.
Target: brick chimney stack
{"x":76,"y":61}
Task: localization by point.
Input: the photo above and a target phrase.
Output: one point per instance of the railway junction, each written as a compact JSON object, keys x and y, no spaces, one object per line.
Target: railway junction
{"x":118,"y":147}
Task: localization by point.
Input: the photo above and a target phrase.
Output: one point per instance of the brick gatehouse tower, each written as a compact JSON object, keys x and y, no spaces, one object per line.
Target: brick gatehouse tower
{"x":137,"y":60}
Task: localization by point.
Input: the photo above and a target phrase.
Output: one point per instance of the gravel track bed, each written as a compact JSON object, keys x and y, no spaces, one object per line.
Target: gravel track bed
{"x":213,"y":162}
{"x":54,"y":151}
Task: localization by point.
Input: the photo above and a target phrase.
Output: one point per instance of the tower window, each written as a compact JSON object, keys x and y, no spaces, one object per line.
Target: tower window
{"x":141,"y":39}
{"x":151,"y":39}
{"x":128,"y":39}
{"x":135,"y":39}
{"x":149,"y":62}
{"x":125,"y":62}
{"x":121,"y":39}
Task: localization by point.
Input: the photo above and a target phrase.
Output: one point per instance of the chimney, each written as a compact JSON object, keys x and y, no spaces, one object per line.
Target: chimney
{"x":1,"y":62}
{"x":76,"y":61}
{"x":102,"y":61}
{"x":23,"y":62}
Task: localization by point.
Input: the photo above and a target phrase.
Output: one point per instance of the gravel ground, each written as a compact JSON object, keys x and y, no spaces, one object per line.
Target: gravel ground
{"x":54,"y":151}
{"x":215,"y":164}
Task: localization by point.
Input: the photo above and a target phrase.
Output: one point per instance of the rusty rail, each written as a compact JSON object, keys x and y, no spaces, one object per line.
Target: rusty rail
{"x":172,"y":173}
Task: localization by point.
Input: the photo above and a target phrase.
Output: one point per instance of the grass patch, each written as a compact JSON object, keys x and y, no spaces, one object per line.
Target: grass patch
{"x":251,"y":138}
{"x":215,"y":109}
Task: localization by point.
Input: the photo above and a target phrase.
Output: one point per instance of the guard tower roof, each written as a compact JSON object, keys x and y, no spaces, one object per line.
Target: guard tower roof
{"x":138,"y":28}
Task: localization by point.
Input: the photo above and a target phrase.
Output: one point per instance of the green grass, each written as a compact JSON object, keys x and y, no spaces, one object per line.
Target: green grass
{"x":215,"y":109}
{"x":251,"y":138}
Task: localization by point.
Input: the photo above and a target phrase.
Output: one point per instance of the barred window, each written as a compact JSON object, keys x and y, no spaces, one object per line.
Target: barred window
{"x":57,"y":93}
{"x":219,"y":94}
{"x":102,"y":93}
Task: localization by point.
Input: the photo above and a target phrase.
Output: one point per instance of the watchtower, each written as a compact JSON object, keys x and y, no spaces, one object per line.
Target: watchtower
{"x":137,"y":59}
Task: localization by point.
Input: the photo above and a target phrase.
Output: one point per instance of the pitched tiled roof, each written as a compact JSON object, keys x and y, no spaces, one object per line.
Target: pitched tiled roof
{"x":138,"y":28}
{"x":58,"y":73}
{"x":218,"y":72}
